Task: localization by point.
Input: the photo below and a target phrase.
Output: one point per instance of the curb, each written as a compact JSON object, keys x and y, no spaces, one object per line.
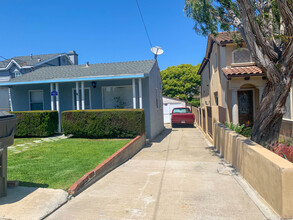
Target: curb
{"x":119,"y":157}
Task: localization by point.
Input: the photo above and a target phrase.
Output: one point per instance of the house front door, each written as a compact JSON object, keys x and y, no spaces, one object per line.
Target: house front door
{"x":245,"y":107}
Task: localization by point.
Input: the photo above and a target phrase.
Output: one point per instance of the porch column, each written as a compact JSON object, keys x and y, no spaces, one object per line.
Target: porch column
{"x":235,"y":116}
{"x":52,"y":97}
{"x":77,"y":95}
{"x":133,"y":93}
{"x":140,"y":93}
{"x":58,"y":107}
{"x":82,"y":96}
{"x":260,"y":92}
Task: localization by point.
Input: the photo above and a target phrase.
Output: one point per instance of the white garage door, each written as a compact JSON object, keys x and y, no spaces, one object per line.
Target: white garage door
{"x":168,"y":107}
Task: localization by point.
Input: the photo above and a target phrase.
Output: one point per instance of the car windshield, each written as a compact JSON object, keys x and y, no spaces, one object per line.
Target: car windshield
{"x":181,"y":110}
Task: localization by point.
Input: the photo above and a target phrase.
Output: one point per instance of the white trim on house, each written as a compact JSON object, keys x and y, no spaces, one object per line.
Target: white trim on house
{"x":52,"y":97}
{"x":90,"y":97}
{"x":29,"y":97}
{"x":10,"y":64}
{"x":133,"y":94}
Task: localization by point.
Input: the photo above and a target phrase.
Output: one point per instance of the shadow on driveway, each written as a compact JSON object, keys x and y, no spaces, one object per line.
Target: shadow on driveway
{"x":15,"y":194}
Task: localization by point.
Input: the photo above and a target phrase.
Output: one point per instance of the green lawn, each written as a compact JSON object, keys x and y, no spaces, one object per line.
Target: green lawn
{"x":59,"y":164}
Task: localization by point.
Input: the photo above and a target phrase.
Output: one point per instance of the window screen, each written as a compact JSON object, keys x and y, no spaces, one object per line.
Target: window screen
{"x":241,"y":56}
{"x":36,"y":100}
{"x":117,"y":97}
{"x":87,"y":104}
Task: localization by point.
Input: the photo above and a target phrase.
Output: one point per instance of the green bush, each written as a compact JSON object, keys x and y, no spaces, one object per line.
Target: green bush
{"x":36,"y":123}
{"x":240,"y":129}
{"x":195,"y":102}
{"x":110,"y":123}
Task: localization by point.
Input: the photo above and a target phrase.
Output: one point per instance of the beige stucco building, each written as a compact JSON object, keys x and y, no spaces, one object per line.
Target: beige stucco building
{"x":231,"y":85}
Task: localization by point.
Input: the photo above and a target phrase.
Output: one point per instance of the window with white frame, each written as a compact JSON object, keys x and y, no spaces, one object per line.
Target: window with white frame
{"x":87,"y":98}
{"x":16,"y":73}
{"x":241,"y":55}
{"x":117,"y":97}
{"x":36,"y":100}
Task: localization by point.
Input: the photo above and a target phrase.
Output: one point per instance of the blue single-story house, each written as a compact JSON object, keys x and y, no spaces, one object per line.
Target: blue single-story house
{"x":134,"y":84}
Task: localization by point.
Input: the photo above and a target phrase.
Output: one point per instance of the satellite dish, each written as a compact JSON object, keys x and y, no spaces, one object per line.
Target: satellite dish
{"x":157,"y":51}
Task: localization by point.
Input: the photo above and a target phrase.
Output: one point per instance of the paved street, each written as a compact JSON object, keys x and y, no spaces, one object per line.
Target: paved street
{"x":176,"y":177}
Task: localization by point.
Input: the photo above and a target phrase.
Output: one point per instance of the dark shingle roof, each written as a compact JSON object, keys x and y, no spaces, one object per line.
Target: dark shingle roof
{"x":29,"y":60}
{"x":4,"y":63}
{"x":93,"y":70}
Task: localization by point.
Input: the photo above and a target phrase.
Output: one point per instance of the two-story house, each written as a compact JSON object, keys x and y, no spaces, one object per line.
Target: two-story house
{"x":17,"y":66}
{"x":231,"y":84}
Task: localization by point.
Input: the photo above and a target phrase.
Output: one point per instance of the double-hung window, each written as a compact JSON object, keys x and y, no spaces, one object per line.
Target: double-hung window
{"x":36,"y":100}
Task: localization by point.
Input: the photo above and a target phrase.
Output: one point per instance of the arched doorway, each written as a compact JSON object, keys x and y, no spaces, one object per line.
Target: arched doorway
{"x":246,"y":104}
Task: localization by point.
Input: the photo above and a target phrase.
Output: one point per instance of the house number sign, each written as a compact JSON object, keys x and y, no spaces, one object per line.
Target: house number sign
{"x":54,"y":93}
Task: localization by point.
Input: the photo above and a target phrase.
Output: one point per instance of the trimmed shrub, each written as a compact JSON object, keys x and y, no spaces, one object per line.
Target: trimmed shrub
{"x":110,"y":123}
{"x":36,"y":123}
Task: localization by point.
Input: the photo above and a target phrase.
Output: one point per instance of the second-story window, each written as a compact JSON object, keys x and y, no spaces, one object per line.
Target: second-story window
{"x":241,"y":55}
{"x":16,"y":73}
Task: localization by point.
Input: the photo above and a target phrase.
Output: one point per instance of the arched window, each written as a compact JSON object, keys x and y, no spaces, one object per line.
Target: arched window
{"x":241,"y":55}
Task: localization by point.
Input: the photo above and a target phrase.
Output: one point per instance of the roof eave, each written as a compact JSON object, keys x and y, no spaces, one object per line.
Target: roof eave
{"x":229,"y":77}
{"x":202,"y":66}
{"x":137,"y":76}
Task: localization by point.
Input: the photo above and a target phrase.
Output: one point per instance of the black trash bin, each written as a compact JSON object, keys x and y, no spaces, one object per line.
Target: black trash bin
{"x":7,"y":129}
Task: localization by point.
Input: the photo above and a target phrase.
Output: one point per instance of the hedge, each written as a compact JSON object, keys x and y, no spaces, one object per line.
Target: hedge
{"x":36,"y":123}
{"x":110,"y":123}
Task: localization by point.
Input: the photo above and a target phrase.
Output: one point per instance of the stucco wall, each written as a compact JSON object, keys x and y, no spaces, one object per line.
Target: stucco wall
{"x":269,"y":174}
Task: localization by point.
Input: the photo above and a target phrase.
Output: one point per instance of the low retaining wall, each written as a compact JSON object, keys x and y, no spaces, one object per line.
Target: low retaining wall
{"x":269,"y":174}
{"x":118,"y":158}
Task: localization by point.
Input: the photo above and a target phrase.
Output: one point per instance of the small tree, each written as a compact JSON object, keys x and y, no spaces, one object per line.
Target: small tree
{"x":266,"y":26}
{"x":181,"y":81}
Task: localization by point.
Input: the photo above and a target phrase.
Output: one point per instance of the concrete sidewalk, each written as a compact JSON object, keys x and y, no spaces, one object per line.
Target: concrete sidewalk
{"x":177,"y":177}
{"x":30,"y":202}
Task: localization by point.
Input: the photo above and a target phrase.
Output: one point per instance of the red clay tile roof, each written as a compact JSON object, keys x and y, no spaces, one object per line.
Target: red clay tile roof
{"x":242,"y":71}
{"x":224,"y":37}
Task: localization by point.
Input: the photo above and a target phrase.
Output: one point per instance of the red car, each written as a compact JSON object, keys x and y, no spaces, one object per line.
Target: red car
{"x":182,"y":116}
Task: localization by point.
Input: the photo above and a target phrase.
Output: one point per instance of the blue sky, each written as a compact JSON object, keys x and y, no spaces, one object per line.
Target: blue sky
{"x":100,"y":30}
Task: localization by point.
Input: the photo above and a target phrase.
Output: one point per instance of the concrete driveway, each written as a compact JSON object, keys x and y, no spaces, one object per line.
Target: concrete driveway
{"x":176,"y":177}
